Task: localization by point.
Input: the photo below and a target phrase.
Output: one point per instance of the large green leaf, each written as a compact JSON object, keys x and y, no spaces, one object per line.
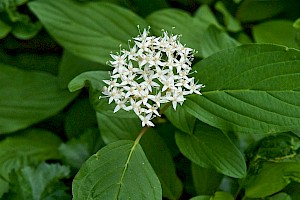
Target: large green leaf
{"x":91,"y":30}
{"x":28,"y":97}
{"x":115,"y":128}
{"x":272,"y":178}
{"x":41,"y":183}
{"x":276,"y":31}
{"x":251,"y":88}
{"x":118,"y":171}
{"x":209,"y":147}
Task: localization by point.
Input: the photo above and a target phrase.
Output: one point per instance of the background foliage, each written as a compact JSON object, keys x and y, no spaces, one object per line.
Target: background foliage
{"x":239,"y":140}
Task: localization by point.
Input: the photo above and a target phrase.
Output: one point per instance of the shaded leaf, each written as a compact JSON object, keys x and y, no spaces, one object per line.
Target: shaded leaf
{"x":272,"y":178}
{"x":80,"y":117}
{"x":230,"y":22}
{"x":222,"y":196}
{"x":275,"y":31}
{"x":77,"y":150}
{"x":71,"y":66}
{"x":251,"y":88}
{"x":4,"y":29}
{"x":254,"y":10}
{"x":31,"y":147}
{"x":209,"y":147}
{"x":131,"y":177}
{"x":280,"y":196}
{"x":206,"y":181}
{"x":181,"y":119}
{"x":28,"y":97}
{"x":91,"y":30}
{"x":215,"y":40}
{"x":41,"y":183}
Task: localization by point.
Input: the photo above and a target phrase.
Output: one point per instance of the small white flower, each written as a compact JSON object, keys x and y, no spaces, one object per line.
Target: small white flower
{"x":154,"y":71}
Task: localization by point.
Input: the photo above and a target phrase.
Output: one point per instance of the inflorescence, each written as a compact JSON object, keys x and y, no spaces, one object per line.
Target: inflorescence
{"x":153,"y":72}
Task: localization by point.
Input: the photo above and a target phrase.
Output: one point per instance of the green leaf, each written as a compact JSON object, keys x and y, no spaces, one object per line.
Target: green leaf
{"x":181,"y":119}
{"x":215,"y":40}
{"x":41,"y":183}
{"x":211,"y":148}
{"x":90,"y":30}
{"x":190,"y":28}
{"x":231,"y":23}
{"x":28,"y":97}
{"x":296,"y":24}
{"x":71,"y":66}
{"x":91,"y":78}
{"x":276,"y":31}
{"x":4,"y":186}
{"x":217,"y":196}
{"x":201,"y":197}
{"x":25,"y":30}
{"x":206,"y":181}
{"x":222,"y":196}
{"x":77,"y":150}
{"x":118,"y":171}
{"x":204,"y":14}
{"x":254,"y":10}
{"x":115,"y":128}
{"x":31,"y":147}
{"x":94,"y":79}
{"x":280,"y":196}
{"x":4,"y":29}
{"x":80,"y":117}
{"x":251,"y":88}
{"x":272,"y":178}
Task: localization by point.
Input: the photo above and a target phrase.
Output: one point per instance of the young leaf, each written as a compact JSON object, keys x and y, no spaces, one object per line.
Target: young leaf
{"x":118,"y":171}
{"x":251,"y":88}
{"x":41,"y":183}
{"x":272,"y":178}
{"x":28,"y":97}
{"x":276,"y":31}
{"x":91,"y":30}
{"x":211,"y":148}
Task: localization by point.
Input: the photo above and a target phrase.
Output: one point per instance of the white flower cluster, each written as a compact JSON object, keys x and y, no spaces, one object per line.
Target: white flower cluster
{"x":154,"y":71}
